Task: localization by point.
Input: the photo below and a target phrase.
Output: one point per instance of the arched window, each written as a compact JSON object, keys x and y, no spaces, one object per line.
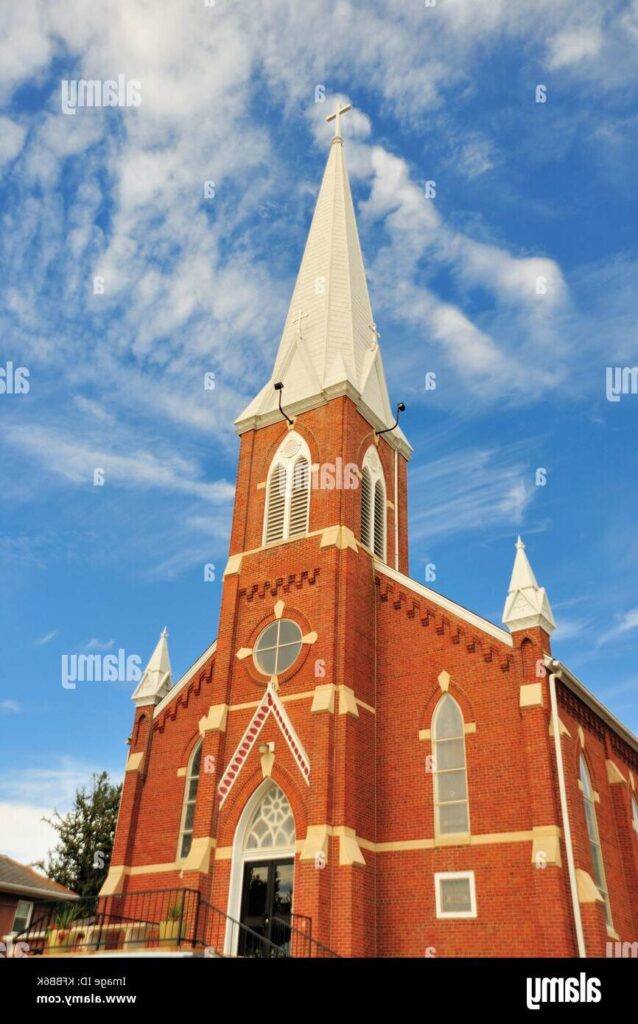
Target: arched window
{"x":190,"y":796}
{"x":272,"y":826}
{"x":634,"y":813}
{"x":594,"y":837}
{"x":451,"y":810}
{"x":373,"y":504}
{"x":288,"y":491}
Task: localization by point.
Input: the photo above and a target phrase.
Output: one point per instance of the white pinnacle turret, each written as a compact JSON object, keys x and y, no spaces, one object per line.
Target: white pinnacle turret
{"x":527,"y":604}
{"x":157,"y":678}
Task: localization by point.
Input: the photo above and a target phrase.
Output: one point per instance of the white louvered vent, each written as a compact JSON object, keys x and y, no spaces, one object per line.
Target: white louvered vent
{"x":379,"y":520}
{"x":366,"y":501}
{"x":276,"y":512}
{"x":298,"y":523}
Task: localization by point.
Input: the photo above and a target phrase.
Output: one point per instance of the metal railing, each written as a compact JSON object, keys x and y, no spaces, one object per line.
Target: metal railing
{"x":169,"y":919}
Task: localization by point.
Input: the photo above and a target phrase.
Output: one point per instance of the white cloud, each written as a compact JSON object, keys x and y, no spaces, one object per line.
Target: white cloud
{"x":9,"y":706}
{"x":12,"y":136}
{"x":25,"y":836}
{"x":574,"y":45}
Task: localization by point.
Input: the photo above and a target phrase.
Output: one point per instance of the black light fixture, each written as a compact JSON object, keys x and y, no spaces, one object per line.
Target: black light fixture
{"x":279,"y":386}
{"x":400,"y":409}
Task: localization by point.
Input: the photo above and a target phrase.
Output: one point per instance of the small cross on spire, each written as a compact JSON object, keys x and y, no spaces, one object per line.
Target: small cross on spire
{"x":297,"y":320}
{"x":336,"y":117}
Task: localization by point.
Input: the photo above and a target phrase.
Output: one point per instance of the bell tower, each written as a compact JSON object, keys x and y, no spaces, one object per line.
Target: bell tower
{"x":320,"y":496}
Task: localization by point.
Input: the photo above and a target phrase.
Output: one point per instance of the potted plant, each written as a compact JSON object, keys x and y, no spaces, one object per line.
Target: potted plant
{"x":58,"y":935}
{"x":170,"y":929}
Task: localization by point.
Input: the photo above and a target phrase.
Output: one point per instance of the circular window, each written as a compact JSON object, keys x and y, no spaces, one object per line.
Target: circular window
{"x":277,"y":647}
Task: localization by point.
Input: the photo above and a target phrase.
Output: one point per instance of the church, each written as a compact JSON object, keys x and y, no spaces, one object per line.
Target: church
{"x":358,"y":766}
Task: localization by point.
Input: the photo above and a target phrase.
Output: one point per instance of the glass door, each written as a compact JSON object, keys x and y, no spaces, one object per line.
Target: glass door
{"x":266,"y":907}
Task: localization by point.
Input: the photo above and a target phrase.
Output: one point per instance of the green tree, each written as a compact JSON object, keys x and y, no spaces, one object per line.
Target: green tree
{"x":85,"y":838}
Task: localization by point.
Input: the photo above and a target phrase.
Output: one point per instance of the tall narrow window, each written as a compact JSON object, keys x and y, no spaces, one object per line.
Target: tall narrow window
{"x":276,"y":512}
{"x":634,"y":813}
{"x":451,"y":809}
{"x":190,"y":797}
{"x":299,"y":498}
{"x":288,"y":491}
{"x":366,"y":505}
{"x":594,"y":837}
{"x":373,"y":504}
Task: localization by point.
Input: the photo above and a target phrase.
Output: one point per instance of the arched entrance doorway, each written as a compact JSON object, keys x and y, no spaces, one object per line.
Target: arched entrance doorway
{"x":262,"y":874}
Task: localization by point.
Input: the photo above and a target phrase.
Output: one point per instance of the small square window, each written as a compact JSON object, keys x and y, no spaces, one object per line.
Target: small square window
{"x":22,"y":917}
{"x":455,"y":894}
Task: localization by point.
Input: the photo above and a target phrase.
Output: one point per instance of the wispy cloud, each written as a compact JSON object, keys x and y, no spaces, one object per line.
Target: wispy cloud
{"x":95,"y":644}
{"x":470,"y":490}
{"x":626,"y":624}
{"x":9,"y":706}
{"x":47,"y":638}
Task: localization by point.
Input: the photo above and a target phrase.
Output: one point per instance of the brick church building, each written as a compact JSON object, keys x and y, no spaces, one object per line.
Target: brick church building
{"x":358,"y":765}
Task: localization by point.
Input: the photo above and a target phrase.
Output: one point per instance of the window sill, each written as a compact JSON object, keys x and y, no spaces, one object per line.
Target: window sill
{"x":453,"y":839}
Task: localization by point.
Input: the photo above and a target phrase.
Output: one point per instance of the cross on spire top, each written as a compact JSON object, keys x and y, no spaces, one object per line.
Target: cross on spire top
{"x":336,"y":117}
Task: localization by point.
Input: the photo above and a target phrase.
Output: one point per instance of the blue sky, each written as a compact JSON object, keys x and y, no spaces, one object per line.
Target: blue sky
{"x":189,"y":285}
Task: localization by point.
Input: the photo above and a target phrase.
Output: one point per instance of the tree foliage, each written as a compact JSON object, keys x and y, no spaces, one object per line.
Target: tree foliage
{"x":82,"y":855}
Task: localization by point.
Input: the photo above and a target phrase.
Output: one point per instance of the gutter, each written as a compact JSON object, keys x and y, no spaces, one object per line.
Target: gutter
{"x":569,"y":849}
{"x":23,"y":890}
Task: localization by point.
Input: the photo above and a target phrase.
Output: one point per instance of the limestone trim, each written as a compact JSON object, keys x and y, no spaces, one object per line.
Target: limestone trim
{"x":588,"y":891}
{"x":531,"y":695}
{"x":134,"y":762}
{"x":198,"y":858}
{"x":613,"y":773}
{"x":215,"y":720}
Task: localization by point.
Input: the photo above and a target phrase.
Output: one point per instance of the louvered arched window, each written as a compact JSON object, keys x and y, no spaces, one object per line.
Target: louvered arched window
{"x":451,"y":808}
{"x":594,"y":837}
{"x":190,"y":797}
{"x":373,"y":504}
{"x":288,"y":491}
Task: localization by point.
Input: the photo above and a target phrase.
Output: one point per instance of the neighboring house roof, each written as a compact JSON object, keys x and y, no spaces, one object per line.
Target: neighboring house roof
{"x":24,"y":881}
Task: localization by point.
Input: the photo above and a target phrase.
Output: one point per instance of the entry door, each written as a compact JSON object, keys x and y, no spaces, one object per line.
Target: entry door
{"x":266,"y":906}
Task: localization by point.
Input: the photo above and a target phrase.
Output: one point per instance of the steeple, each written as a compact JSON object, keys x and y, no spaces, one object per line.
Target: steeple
{"x":527,"y":604}
{"x":157,"y":679}
{"x":330,"y":344}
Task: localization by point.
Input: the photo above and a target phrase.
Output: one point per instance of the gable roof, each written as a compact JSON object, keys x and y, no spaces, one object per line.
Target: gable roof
{"x":24,"y":881}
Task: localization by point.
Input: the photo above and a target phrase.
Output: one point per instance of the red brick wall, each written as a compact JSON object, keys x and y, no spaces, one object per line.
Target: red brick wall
{"x":389,"y":645}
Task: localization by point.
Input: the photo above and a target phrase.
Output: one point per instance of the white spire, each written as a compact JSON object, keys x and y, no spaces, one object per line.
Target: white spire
{"x":157,"y":678}
{"x":329,"y":344}
{"x":526,"y":604}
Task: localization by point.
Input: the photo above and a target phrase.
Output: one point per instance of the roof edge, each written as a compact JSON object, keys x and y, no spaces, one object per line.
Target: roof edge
{"x":448,"y":604}
{"x":567,"y":676}
{"x":186,"y":678}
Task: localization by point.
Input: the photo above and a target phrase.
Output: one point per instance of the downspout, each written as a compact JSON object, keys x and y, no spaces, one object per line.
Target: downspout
{"x":569,"y":849}
{"x":396,"y":509}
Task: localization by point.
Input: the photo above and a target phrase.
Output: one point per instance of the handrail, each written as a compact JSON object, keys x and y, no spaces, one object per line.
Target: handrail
{"x":185,"y":909}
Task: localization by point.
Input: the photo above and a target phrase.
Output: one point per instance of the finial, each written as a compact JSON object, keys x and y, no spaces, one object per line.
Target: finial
{"x":165,"y":632}
{"x":336,"y":117}
{"x":519,"y":544}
